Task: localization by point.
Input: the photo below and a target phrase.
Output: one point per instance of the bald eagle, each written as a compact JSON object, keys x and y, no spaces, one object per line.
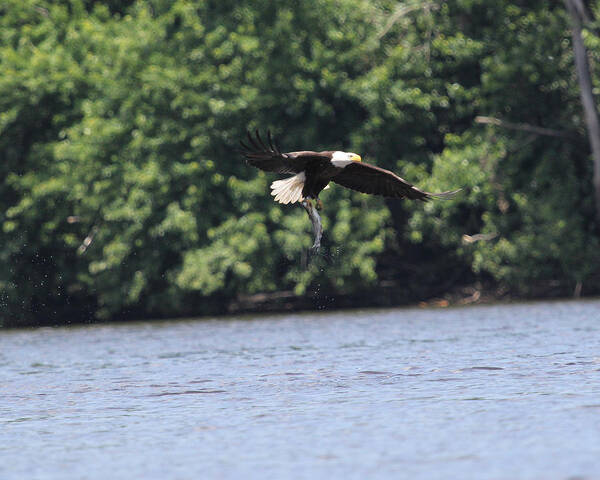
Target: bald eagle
{"x":314,"y":170}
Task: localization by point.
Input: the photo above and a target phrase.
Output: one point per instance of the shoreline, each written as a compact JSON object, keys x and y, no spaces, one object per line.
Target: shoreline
{"x":278,"y":303}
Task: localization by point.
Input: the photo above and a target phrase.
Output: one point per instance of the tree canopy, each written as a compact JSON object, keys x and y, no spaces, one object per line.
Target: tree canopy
{"x":122,"y":193}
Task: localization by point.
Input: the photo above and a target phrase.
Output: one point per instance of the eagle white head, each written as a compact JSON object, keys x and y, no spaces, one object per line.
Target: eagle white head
{"x":342,"y":159}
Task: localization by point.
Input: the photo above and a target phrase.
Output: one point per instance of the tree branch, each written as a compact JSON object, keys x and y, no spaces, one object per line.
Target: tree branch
{"x":401,"y":12}
{"x":524,"y":127}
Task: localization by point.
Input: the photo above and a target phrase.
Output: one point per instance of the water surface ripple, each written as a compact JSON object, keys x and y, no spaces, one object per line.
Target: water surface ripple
{"x":498,"y":392}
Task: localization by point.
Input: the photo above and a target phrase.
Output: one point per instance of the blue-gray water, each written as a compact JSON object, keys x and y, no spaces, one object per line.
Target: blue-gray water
{"x":498,"y":392}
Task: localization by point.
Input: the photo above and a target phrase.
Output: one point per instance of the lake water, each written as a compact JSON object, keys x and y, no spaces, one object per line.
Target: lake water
{"x":490,"y":392}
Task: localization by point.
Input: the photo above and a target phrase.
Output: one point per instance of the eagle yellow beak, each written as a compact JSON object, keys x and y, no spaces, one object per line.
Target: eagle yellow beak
{"x":356,"y":158}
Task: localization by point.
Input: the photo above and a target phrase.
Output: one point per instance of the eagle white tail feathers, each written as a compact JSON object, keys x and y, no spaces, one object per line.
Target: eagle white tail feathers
{"x":289,"y":190}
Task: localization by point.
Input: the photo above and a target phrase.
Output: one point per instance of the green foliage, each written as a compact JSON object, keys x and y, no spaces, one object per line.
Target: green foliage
{"x":529,"y":197}
{"x":122,"y":193}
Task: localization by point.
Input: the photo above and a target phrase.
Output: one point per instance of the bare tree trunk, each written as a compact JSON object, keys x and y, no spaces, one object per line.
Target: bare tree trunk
{"x":577,"y":12}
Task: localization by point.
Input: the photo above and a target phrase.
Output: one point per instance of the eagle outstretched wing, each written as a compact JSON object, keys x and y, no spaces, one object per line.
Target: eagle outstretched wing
{"x":268,"y":158}
{"x":370,"y":179}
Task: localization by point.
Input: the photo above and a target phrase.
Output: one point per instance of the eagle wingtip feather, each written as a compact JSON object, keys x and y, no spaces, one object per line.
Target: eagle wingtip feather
{"x":443,"y":195}
{"x":257,"y":145}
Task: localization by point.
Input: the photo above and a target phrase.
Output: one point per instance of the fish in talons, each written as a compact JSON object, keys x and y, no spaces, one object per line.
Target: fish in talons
{"x":312,"y":211}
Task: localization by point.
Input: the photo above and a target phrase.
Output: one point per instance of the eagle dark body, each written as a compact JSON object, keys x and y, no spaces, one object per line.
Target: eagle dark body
{"x":314,"y":170}
{"x":318,"y":170}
